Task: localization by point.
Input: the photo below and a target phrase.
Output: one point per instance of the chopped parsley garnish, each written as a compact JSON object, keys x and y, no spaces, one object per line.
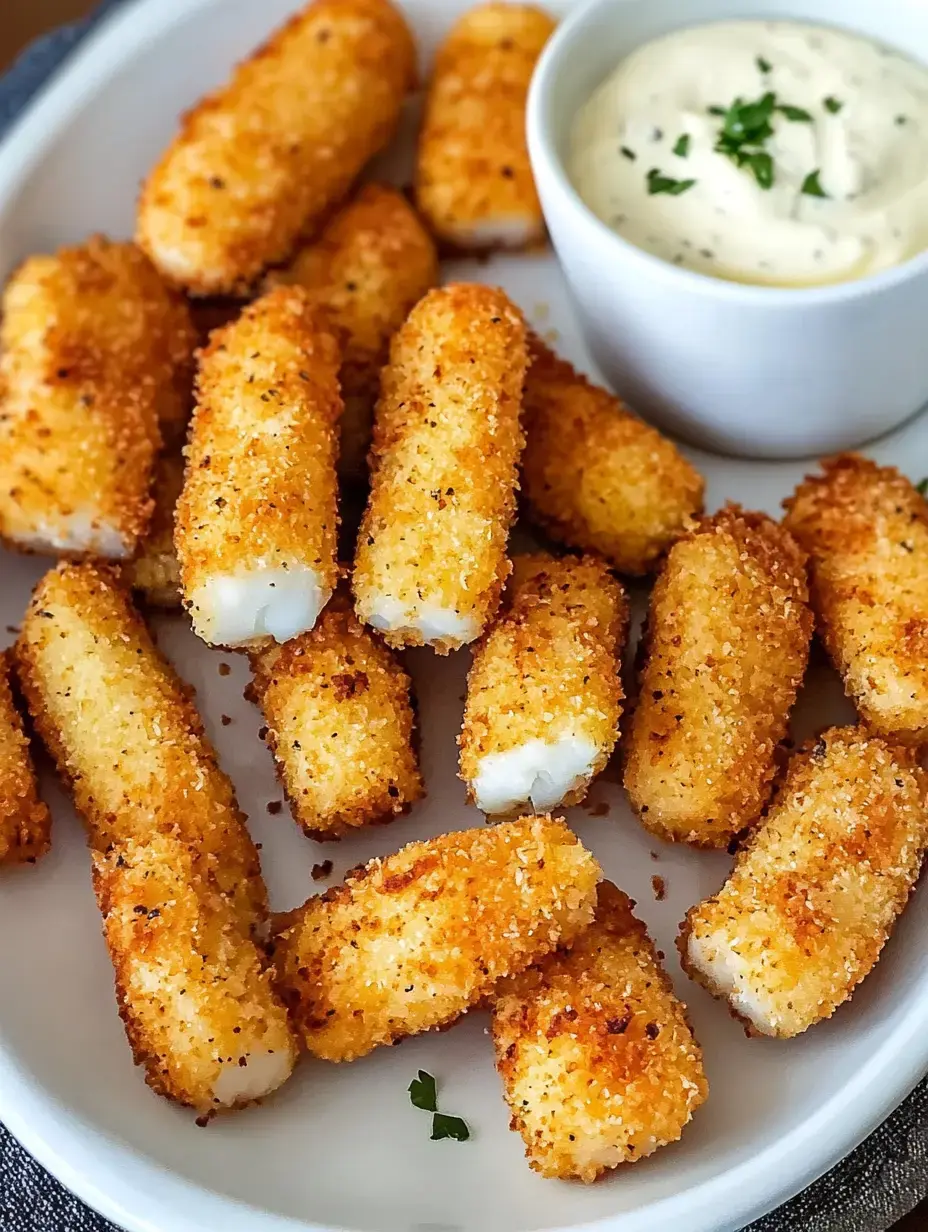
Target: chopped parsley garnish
{"x":422,"y":1092}
{"x":901,"y":119}
{"x":762,"y":165}
{"x":797,"y":114}
{"x":449,"y":1127}
{"x":833,"y":104}
{"x":629,"y":154}
{"x":749,"y":123}
{"x":811,"y":186}
{"x":923,"y":486}
{"x":764,"y":65}
{"x":660,"y":183}
{"x":682,"y":148}
{"x":717,"y":111}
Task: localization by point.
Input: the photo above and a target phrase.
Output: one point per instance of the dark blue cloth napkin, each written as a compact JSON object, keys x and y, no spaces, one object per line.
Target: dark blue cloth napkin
{"x":879,"y":1183}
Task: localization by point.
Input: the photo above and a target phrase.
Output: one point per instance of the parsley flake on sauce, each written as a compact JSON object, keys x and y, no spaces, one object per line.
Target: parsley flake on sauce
{"x":660,"y":183}
{"x":833,"y":104}
{"x":682,"y":148}
{"x":811,"y":185}
{"x":629,"y":154}
{"x":798,"y":115}
{"x":449,"y":1127}
{"x":422,"y":1092}
{"x":764,"y":65}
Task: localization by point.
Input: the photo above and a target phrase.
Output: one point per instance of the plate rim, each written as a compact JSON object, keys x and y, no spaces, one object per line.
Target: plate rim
{"x":138,"y":1194}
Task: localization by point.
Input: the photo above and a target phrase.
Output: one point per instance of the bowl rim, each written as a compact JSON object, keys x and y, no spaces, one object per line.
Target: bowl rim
{"x":548,"y":166}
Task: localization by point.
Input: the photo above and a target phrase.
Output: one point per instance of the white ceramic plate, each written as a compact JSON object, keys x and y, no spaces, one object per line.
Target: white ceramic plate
{"x":341,"y":1147}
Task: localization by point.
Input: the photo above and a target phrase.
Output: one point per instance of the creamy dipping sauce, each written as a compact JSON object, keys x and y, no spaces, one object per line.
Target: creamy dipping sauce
{"x":762,"y":152}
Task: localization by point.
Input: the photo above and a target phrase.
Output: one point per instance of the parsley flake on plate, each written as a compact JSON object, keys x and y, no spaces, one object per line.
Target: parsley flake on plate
{"x":449,"y":1127}
{"x":422,"y":1092}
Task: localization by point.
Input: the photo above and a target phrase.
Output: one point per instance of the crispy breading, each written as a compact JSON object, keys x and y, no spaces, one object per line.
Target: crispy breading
{"x":96,"y":367}
{"x":372,"y":263}
{"x":544,"y":692}
{"x":815,"y":895}
{"x":724,"y":654}
{"x":413,"y":941}
{"x":474,"y":182}
{"x":258,"y":163}
{"x":25,"y":822}
{"x":598,"y":1060}
{"x":431,"y":559}
{"x":154,"y":572}
{"x":176,"y":874}
{"x":256,"y":524}
{"x":865,"y":528}
{"x":340,"y":723}
{"x":594,"y":476}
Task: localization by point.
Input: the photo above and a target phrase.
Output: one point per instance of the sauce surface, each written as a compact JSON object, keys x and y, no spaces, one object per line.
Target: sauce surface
{"x":773,"y":153}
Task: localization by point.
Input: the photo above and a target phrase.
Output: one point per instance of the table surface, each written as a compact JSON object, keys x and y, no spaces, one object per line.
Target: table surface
{"x":24,"y":20}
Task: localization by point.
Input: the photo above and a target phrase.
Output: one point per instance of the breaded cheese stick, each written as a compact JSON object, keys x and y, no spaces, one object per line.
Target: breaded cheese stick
{"x":372,"y":263}
{"x":25,"y":822}
{"x":256,"y":523}
{"x":597,"y":1057}
{"x":815,"y":895}
{"x":865,"y":528}
{"x":544,"y":693}
{"x":411,"y":942}
{"x":724,"y":654}
{"x":431,"y":558}
{"x":341,"y":724}
{"x":595,"y":477}
{"x":153,"y":573}
{"x":96,"y":367}
{"x":260,"y":161}
{"x":474,"y":182}
{"x":176,"y":873}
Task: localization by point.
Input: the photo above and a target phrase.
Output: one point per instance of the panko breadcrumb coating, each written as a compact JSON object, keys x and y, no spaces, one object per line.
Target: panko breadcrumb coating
{"x":814,"y":897}
{"x":431,"y":558}
{"x":474,"y":182}
{"x":256,"y":524}
{"x":544,"y":693}
{"x":411,"y":942}
{"x":259,"y":162}
{"x":340,"y":723}
{"x":25,"y":822}
{"x":597,"y":478}
{"x":724,"y":654}
{"x":153,"y":573}
{"x":865,"y":528}
{"x":372,"y":263}
{"x":176,"y":874}
{"x":96,"y":368}
{"x":598,"y":1060}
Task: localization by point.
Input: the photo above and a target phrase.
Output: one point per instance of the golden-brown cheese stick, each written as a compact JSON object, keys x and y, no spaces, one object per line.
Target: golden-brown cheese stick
{"x":25,"y":822}
{"x":176,"y":873}
{"x":474,"y":182}
{"x":372,"y":263}
{"x":815,"y":895}
{"x":723,"y":656}
{"x":596,"y":478}
{"x":153,"y":573}
{"x":340,"y":722}
{"x":598,"y":1060}
{"x":544,"y":693}
{"x":259,"y":162}
{"x":256,"y":524}
{"x":411,"y":942}
{"x":431,"y":558}
{"x":865,"y":528}
{"x":96,"y":367}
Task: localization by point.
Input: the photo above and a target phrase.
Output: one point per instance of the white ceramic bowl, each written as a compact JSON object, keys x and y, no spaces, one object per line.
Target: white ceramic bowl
{"x":340,"y":1147}
{"x":755,"y":371}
